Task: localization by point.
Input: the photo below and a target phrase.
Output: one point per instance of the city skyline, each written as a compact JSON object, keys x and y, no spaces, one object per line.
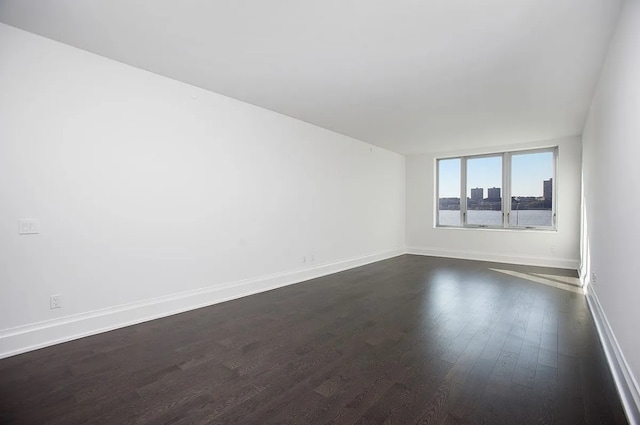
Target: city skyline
{"x":478,"y":193}
{"x":528,"y":173}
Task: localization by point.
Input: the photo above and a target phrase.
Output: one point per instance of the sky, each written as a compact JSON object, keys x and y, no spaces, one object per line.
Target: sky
{"x":528,"y":171}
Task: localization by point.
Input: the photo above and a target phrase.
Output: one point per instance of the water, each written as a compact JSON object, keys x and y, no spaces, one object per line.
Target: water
{"x":494,"y":218}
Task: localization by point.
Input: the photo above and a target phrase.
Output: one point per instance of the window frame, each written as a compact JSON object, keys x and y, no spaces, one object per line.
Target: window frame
{"x":506,"y":190}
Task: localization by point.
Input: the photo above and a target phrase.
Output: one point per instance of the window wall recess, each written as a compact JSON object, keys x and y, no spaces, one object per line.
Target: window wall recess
{"x":505,"y":190}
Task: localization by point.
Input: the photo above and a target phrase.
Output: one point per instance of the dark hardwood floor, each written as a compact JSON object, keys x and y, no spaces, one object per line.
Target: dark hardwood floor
{"x":410,"y":340}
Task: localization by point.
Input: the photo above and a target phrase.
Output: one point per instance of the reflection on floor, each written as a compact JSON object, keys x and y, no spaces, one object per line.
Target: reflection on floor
{"x":566,"y":283}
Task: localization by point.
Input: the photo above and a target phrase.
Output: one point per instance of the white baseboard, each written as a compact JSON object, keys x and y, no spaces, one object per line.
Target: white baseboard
{"x":38,"y":335}
{"x":627,"y":386}
{"x":560,"y":263}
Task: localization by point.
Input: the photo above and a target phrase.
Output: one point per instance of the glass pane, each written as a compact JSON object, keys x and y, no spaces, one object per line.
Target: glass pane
{"x":449,"y":192}
{"x":531,"y":189}
{"x":484,"y":191}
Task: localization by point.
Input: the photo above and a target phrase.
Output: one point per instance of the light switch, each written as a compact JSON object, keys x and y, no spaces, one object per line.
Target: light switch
{"x":28,"y":226}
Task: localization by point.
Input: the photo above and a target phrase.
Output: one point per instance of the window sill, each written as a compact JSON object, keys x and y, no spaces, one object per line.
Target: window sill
{"x":497,"y":229}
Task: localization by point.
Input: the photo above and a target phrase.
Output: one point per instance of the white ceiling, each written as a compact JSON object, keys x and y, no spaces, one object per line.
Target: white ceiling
{"x":408,"y":75}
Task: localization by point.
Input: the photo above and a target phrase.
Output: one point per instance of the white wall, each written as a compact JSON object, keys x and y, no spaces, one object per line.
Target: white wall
{"x":611,"y":174}
{"x":154,"y":196}
{"x":546,"y":248}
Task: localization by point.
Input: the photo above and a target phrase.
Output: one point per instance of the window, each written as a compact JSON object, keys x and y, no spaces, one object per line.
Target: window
{"x":449,"y":190}
{"x":504,"y":190}
{"x":484,"y":173}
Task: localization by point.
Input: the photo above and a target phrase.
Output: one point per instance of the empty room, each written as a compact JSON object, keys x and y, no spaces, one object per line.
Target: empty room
{"x":319,"y":212}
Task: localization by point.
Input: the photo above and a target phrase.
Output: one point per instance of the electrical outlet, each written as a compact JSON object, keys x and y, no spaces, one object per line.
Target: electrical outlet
{"x":594,"y":277}
{"x":28,"y":226}
{"x":304,"y":259}
{"x":55,"y":301}
{"x":553,"y":249}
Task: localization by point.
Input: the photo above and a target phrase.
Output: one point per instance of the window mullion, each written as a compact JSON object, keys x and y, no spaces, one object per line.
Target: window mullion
{"x":506,"y":189}
{"x":437,"y":190}
{"x":463,"y":190}
{"x":554,"y":195}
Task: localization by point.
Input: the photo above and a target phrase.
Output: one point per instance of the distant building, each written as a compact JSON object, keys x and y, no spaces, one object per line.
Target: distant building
{"x":477,"y":194}
{"x":547,"y":189}
{"x":493,"y":193}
